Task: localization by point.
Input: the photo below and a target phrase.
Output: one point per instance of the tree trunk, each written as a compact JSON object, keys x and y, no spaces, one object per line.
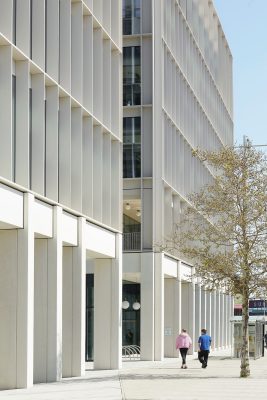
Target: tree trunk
{"x":245,"y":371}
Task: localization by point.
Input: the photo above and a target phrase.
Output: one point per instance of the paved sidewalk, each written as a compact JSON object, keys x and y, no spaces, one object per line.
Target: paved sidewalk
{"x":220,"y":381}
{"x":158,"y":381}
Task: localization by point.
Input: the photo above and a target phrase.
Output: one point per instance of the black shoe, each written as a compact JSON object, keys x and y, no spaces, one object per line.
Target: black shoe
{"x":205,"y":365}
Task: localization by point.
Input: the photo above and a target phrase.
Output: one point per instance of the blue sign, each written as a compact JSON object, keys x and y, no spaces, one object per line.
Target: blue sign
{"x":257,"y":307}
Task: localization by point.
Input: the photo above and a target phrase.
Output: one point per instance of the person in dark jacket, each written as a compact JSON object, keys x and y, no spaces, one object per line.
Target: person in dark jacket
{"x":204,"y":343}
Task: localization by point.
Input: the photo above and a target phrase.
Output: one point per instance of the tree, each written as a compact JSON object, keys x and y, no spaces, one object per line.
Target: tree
{"x":223,"y":230}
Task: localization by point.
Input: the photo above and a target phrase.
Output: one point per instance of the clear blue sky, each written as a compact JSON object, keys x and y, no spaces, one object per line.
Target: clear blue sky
{"x":245,"y":26}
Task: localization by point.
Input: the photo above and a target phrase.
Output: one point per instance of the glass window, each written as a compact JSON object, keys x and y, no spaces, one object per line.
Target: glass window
{"x":132,"y":147}
{"x":131,"y":76}
{"x":131,"y":130}
{"x":89,"y":339}
{"x":131,"y":65}
{"x":131,"y":161}
{"x":131,"y":13}
{"x":130,"y":225}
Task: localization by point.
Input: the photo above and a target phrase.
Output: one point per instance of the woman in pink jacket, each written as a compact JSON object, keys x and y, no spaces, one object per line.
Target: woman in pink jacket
{"x":183,"y":342}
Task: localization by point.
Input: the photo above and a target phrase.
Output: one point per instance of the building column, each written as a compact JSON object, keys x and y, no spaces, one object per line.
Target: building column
{"x":203,"y":308}
{"x":218,"y":324}
{"x":48,"y":304}
{"x":222,"y":319}
{"x":231,"y":314}
{"x":188,"y":310}
{"x":147,"y":307}
{"x":172,"y":314}
{"x":225,"y":320}
{"x":16,"y":299}
{"x":213,"y":318}
{"x":54,"y":317}
{"x":198,"y":326}
{"x":25,"y":293}
{"x":208,"y":312}
{"x":74,"y":272}
{"x":78,"y":309}
{"x":159,"y":307}
{"x":108,"y":311}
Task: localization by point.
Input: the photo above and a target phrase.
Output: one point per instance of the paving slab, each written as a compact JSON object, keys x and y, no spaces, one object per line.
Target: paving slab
{"x":143,"y":380}
{"x":220,"y":381}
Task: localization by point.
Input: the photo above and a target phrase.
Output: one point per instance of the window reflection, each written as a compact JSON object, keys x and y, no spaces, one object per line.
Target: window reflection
{"x":131,"y":13}
{"x":132,"y":147}
{"x":131,"y":76}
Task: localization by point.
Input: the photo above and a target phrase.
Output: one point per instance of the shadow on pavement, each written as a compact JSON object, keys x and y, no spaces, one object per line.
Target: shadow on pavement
{"x":170,"y":377}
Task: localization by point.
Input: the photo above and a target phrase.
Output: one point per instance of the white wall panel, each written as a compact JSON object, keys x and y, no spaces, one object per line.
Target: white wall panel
{"x":170,"y":267}
{"x":23,"y":25}
{"x":52,"y":38}
{"x":97,"y":172}
{"x":22,"y":152}
{"x":76,"y":50}
{"x":6,"y":164}
{"x":88,"y":62}
{"x":69,"y":229}
{"x":38,"y":33}
{"x":38,"y":134}
{"x":43,"y":218}
{"x":11,"y":207}
{"x":185,"y":272}
{"x":64,"y":155}
{"x":99,"y":240}
{"x":65,"y":44}
{"x":98,"y":73}
{"x":51,"y":143}
{"x":87,"y":201}
{"x":6,"y":19}
{"x":76,"y":158}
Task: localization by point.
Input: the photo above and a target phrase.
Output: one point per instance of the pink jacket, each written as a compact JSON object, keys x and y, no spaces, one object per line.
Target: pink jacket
{"x":183,"y":341}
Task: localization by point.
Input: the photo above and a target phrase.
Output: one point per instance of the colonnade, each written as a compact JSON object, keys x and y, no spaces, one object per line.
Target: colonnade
{"x":42,"y":294}
{"x":171,"y":300}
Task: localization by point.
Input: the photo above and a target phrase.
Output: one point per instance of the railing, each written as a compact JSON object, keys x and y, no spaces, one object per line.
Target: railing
{"x":132,"y":241}
{"x":131,"y":352}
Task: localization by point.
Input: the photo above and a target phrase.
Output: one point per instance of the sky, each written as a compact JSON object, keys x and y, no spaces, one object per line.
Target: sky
{"x":244,"y":23}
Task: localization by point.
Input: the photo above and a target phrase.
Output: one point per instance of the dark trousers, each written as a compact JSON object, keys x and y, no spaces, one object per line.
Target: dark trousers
{"x":183,"y":353}
{"x":203,"y":356}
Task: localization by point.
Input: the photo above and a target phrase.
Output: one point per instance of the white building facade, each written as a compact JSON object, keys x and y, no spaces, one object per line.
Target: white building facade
{"x":60,"y":186}
{"x":177,"y":96}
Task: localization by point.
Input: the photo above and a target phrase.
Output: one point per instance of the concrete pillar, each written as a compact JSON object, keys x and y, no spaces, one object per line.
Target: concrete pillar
{"x":225,"y":321}
{"x":16,"y":299}
{"x":222,"y":319}
{"x":54,"y":305}
{"x":218,"y":324}
{"x":108,"y":311}
{"x":213,"y":319}
{"x":48,"y":304}
{"x":231,"y":314}
{"x":25,"y":291}
{"x":147,"y":307}
{"x":203,"y":308}
{"x":197,"y":313}
{"x":188,"y":310}
{"x":159,"y":307}
{"x":116,"y":328}
{"x":208,"y":312}
{"x":172,"y":315}
{"x":79,"y":274}
{"x":73,"y":337}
